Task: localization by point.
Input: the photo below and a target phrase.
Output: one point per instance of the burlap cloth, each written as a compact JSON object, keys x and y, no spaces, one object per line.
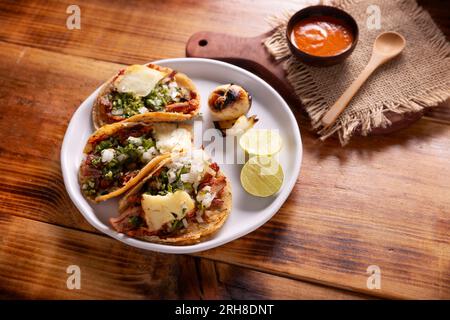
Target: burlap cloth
{"x":418,"y":78}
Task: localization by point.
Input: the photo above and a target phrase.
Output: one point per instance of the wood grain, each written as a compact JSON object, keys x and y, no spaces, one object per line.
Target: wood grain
{"x":35,"y":257}
{"x":396,"y":221}
{"x":381,"y":200}
{"x":249,"y":53}
{"x":41,"y":106}
{"x":127,"y":31}
{"x":242,"y":283}
{"x":246,"y":52}
{"x":41,"y":24}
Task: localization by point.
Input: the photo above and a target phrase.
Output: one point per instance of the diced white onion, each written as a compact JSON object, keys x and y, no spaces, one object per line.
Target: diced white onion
{"x":122,"y":157}
{"x":149,"y":154}
{"x":143,"y":110}
{"x":171,"y":175}
{"x":199,"y":218}
{"x":241,"y":125}
{"x":117,"y":112}
{"x":173,"y":94}
{"x":135,"y":141}
{"x":108,"y":155}
{"x":205,"y":197}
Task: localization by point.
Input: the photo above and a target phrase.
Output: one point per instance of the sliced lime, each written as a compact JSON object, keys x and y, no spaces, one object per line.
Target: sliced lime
{"x":261,"y":142}
{"x":262,"y":176}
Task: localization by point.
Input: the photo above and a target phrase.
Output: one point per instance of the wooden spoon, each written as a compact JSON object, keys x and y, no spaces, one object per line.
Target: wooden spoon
{"x":386,"y":46}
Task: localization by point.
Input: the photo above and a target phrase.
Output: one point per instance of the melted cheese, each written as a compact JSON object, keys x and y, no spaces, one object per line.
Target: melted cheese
{"x":169,"y":138}
{"x":138,"y":79}
{"x":160,"y":210}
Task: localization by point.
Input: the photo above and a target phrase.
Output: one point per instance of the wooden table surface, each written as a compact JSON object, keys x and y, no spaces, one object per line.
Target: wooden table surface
{"x":382,"y":200}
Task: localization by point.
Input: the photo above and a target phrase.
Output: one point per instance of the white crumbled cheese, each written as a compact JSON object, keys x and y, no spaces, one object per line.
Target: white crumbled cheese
{"x":135,"y":141}
{"x":172,"y":139}
{"x":149,"y":154}
{"x":143,"y":110}
{"x":117,"y":112}
{"x":185,"y":223}
{"x":173,"y":84}
{"x":108,"y":155}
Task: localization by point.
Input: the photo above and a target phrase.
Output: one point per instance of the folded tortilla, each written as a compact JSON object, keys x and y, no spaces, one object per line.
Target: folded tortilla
{"x":196,"y":231}
{"x":115,"y":129}
{"x":174,"y":111}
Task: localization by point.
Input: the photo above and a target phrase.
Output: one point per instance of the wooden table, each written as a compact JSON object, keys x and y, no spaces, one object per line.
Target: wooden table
{"x":383,"y":200}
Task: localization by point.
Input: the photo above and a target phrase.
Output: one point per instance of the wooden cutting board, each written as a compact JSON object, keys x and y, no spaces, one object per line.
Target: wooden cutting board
{"x":250,"y":53}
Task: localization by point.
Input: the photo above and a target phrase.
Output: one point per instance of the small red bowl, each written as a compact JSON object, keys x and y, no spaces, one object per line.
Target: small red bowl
{"x":321,"y":11}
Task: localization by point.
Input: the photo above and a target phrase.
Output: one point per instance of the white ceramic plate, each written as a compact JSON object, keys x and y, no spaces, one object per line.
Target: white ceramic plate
{"x":248,"y":212}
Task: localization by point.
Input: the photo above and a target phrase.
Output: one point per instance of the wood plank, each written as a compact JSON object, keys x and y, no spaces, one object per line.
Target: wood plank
{"x":382,"y":200}
{"x":30,"y":85}
{"x":130,"y":31}
{"x":42,"y":24}
{"x":241,"y":283}
{"x":35,"y":257}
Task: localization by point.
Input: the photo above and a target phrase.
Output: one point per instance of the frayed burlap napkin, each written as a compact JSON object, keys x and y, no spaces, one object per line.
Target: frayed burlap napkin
{"x":418,"y":78}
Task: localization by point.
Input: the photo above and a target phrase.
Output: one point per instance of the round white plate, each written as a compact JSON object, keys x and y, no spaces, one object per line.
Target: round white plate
{"x":248,"y":212}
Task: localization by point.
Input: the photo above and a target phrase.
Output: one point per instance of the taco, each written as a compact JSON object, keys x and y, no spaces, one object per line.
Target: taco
{"x":146,"y":93}
{"x":118,"y":155}
{"x":184,"y":200}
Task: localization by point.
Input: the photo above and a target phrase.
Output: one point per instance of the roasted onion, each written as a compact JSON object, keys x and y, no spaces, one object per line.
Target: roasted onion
{"x":229,"y":102}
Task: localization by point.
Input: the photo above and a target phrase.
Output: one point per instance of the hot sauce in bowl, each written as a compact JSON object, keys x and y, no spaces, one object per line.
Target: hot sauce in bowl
{"x":322,"y":36}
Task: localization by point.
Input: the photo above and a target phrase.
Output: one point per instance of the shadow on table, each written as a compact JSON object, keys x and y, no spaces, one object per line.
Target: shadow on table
{"x":418,"y":136}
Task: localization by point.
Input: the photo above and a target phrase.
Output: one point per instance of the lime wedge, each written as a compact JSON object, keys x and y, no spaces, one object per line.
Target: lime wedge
{"x":262,"y":176}
{"x":261,"y":142}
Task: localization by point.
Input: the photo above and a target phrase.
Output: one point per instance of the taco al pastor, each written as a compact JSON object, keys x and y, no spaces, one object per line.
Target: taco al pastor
{"x":146,"y":93}
{"x":185,"y":199}
{"x":117,"y":156}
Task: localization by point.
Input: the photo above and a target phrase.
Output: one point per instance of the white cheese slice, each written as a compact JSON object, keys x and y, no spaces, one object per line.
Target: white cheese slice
{"x":160,"y":210}
{"x":169,"y":138}
{"x":138,"y":79}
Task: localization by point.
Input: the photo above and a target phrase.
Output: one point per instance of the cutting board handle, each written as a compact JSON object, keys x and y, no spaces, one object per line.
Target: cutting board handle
{"x":223,"y":47}
{"x":246,"y":52}
{"x":250,"y":54}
